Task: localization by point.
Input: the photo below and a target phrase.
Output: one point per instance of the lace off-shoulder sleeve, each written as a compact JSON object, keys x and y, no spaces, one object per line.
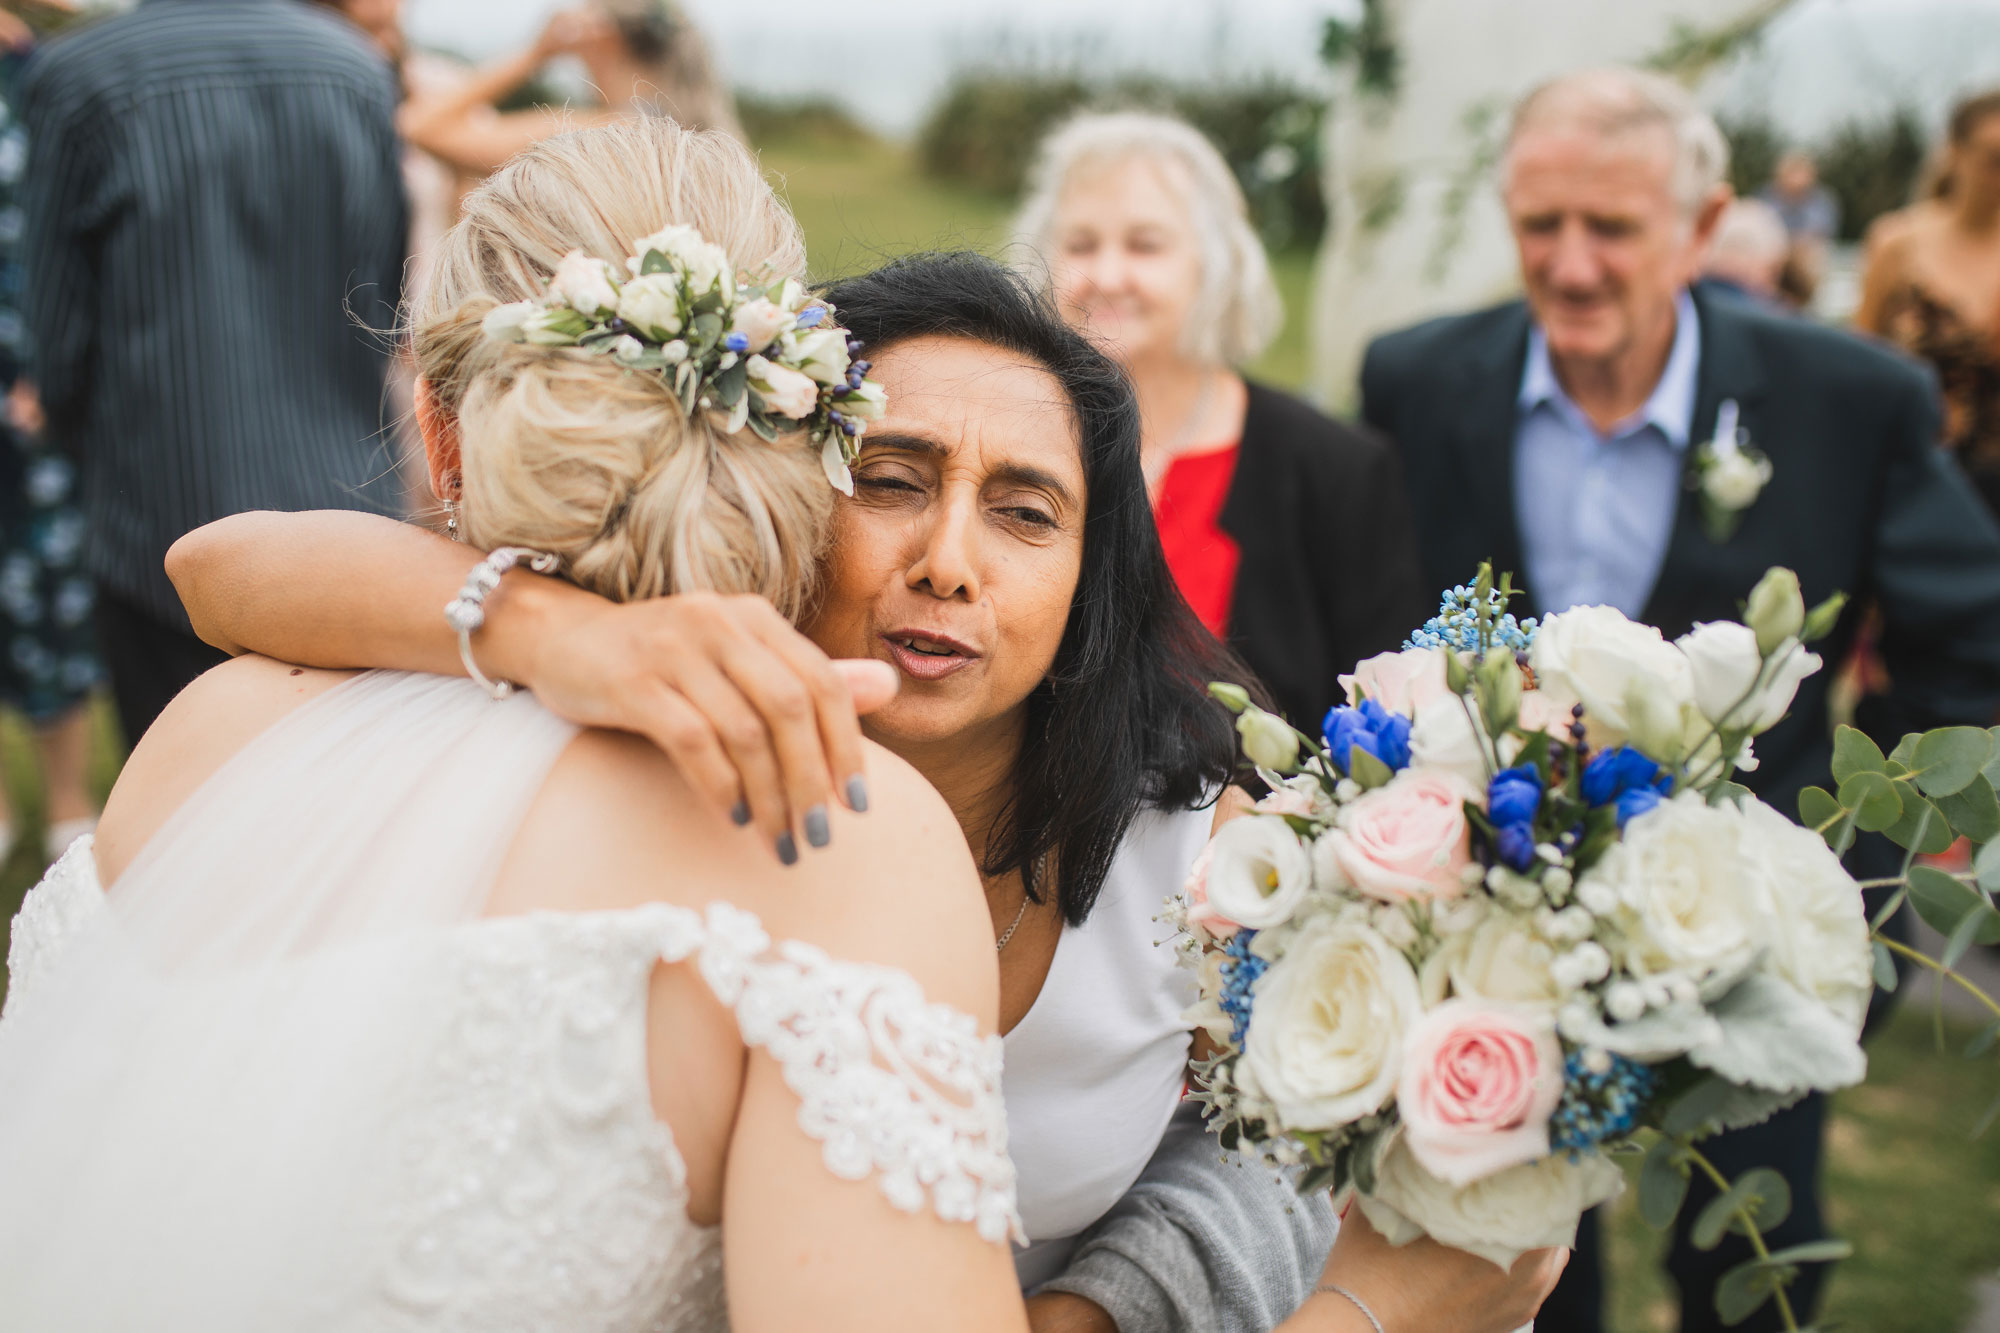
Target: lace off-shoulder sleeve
{"x":55,"y":909}
{"x":891,"y":1085}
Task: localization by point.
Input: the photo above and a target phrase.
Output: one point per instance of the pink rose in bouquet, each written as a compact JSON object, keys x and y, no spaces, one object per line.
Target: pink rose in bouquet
{"x":1401,"y":682}
{"x":1409,"y":839}
{"x":1480,"y":1081}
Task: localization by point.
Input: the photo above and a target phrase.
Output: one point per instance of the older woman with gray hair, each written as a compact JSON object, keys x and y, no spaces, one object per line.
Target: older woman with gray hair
{"x":1287,"y":531}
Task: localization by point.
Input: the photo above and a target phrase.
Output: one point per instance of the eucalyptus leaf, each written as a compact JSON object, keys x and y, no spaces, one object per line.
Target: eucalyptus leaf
{"x":1885,"y":967}
{"x":760,"y":424}
{"x":1826,"y":1251}
{"x":1770,"y":1035}
{"x":1905,"y":752}
{"x":1742,"y":1291}
{"x":1923,"y":827}
{"x":1986,"y":866}
{"x":1951,"y":757}
{"x":654,"y":262}
{"x":1992,"y":769}
{"x":1768,"y":1200}
{"x":1941,"y":900}
{"x":1854,"y":752}
{"x":1366,"y":769}
{"x":1873,"y":799}
{"x":1974,"y":812}
{"x":1663,"y":1184}
{"x":1730,"y":793}
{"x":1711,"y":1224}
{"x":1819,"y":810}
{"x":1980,"y":925}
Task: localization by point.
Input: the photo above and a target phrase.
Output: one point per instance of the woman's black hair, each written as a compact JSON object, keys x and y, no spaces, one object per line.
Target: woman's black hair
{"x":1123,"y":720}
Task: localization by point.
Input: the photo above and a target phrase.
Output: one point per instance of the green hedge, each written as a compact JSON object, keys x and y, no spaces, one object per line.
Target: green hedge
{"x":984,"y":131}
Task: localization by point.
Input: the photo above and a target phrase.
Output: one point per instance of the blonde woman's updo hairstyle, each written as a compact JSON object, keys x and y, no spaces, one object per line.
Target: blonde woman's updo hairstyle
{"x":1238,"y":310}
{"x":566,"y":451}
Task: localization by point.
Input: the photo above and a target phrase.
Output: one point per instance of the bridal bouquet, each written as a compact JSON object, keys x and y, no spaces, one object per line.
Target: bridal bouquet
{"x":1509,"y":909}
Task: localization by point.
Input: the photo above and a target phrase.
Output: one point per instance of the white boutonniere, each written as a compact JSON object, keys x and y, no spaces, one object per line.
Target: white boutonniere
{"x":1730,"y":473}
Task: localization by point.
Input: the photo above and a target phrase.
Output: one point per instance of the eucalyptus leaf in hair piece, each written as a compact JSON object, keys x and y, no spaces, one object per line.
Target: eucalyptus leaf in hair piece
{"x":767,"y":358}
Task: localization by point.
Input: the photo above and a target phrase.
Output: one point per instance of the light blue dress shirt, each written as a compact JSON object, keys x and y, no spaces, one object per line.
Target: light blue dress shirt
{"x":1596,"y":511}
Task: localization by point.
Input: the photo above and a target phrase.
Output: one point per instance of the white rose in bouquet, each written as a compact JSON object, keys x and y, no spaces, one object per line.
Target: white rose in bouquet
{"x":1502,"y":958}
{"x":1258,"y":872}
{"x":1401,"y":682}
{"x":584,"y":283}
{"x":1328,"y":1022}
{"x":1682,"y":877}
{"x":1610,"y":664}
{"x":1727,"y":666}
{"x":652,"y":305}
{"x":1444,"y":739}
{"x":1499,"y":1218}
{"x":1817,"y":926}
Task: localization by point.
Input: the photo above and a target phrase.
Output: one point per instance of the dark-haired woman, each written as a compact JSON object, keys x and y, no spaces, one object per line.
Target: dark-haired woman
{"x":1932,"y":284}
{"x":999,"y":553}
{"x":644,"y":57}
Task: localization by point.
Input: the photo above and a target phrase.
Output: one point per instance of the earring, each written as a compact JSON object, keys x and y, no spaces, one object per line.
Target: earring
{"x":451,"y":519}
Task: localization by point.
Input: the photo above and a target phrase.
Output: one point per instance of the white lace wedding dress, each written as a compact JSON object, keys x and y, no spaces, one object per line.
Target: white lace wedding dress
{"x":425,"y":1118}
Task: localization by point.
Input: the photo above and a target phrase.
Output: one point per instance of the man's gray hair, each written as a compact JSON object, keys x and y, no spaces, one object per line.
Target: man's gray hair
{"x":1237,"y":311}
{"x":1618,"y":100}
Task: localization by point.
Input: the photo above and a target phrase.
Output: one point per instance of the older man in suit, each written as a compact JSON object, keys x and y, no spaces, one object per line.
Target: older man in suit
{"x":1560,"y":437}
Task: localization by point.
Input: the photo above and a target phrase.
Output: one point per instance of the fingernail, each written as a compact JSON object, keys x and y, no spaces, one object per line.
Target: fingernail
{"x":817,"y":833}
{"x":788,"y":851}
{"x":857,"y":794}
{"x":740,"y":813}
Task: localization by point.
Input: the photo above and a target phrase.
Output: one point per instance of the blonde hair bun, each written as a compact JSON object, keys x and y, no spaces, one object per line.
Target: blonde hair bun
{"x":568,"y":452}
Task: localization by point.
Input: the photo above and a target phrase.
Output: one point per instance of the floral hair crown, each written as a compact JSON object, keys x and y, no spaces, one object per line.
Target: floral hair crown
{"x":765,"y":357}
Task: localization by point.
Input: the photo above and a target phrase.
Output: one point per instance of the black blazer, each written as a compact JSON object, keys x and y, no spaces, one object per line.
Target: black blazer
{"x":1327,"y":573}
{"x":1861,"y":500}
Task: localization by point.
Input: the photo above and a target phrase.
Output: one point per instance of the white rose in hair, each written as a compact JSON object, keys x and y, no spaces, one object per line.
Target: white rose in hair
{"x":759,"y":321}
{"x":1498,"y":1218}
{"x":652,"y":305}
{"x":1726,"y":663}
{"x":1685,"y":876}
{"x":1258,"y":873}
{"x":866,"y":403}
{"x":549,"y":328}
{"x":822,"y":354}
{"x":507,"y":323}
{"x":1817,"y":925}
{"x":705,"y":264}
{"x":1595,"y":655}
{"x":585,"y":283}
{"x":1328,"y":1023}
{"x":785,"y":391}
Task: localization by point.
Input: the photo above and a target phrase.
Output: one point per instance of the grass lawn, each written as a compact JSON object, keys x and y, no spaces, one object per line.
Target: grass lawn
{"x":1920,"y":1203}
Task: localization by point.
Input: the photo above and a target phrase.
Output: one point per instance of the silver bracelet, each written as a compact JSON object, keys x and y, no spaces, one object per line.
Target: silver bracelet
{"x":1359,"y":1304}
{"x":467,"y":611}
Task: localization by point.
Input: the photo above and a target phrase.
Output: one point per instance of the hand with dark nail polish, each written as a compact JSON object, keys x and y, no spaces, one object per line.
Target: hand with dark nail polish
{"x":817,"y":832}
{"x":788,"y":850}
{"x":857,"y":794}
{"x":740,"y":813}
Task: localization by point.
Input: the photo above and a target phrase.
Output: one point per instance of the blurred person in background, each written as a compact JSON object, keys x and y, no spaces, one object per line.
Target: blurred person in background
{"x":215,"y":226}
{"x":48,"y":663}
{"x":1563,"y":438}
{"x":1287,"y":532}
{"x":1932,"y":284}
{"x":1747,"y":258}
{"x":644,"y":57}
{"x":1811,"y":215}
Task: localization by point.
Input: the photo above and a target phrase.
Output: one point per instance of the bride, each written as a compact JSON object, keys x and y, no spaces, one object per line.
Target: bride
{"x":407,"y":1009}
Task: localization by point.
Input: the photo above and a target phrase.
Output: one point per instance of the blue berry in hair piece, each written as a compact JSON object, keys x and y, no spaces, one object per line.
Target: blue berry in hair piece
{"x":737,"y":342}
{"x":811,"y":316}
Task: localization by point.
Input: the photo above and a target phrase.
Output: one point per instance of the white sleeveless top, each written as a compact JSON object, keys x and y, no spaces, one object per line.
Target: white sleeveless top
{"x":1095,"y":1069}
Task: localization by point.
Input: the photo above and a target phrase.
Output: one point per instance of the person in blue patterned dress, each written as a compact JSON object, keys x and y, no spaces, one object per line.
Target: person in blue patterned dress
{"x":48,"y":660}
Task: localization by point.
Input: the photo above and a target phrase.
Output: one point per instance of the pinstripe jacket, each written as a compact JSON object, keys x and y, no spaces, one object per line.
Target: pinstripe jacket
{"x":214,"y":212}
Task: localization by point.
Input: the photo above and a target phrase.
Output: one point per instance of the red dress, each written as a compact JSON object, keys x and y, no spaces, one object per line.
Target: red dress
{"x":1202,"y":556}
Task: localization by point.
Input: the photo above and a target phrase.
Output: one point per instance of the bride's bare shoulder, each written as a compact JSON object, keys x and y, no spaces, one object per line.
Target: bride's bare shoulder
{"x":208,"y":722}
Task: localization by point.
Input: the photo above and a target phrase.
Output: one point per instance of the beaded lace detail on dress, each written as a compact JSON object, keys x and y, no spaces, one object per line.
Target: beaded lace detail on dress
{"x":530,"y":1184}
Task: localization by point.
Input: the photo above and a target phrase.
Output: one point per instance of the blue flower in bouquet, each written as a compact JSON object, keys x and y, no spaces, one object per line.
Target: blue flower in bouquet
{"x":1515,"y":845}
{"x":1514,"y":796}
{"x":1456,"y":625}
{"x":1601,"y":1103}
{"x":1636,"y":802}
{"x":1240,"y":970}
{"x":1612,"y":773}
{"x":1375,"y":729}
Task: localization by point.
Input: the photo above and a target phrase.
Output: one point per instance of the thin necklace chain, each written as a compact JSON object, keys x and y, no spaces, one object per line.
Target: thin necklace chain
{"x":1041,"y":870}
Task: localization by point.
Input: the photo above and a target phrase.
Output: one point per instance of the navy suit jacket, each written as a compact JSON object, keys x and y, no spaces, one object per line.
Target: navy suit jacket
{"x":1861,"y":500}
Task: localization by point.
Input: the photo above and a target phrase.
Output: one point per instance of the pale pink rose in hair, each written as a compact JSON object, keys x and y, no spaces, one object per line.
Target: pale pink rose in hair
{"x":785,"y":390}
{"x":1479,"y":1083}
{"x":1196,"y":893}
{"x":1409,"y":839}
{"x":1400,"y":682}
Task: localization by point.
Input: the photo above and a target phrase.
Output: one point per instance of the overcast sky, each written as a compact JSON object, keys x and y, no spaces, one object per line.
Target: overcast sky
{"x":1822,"y":62}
